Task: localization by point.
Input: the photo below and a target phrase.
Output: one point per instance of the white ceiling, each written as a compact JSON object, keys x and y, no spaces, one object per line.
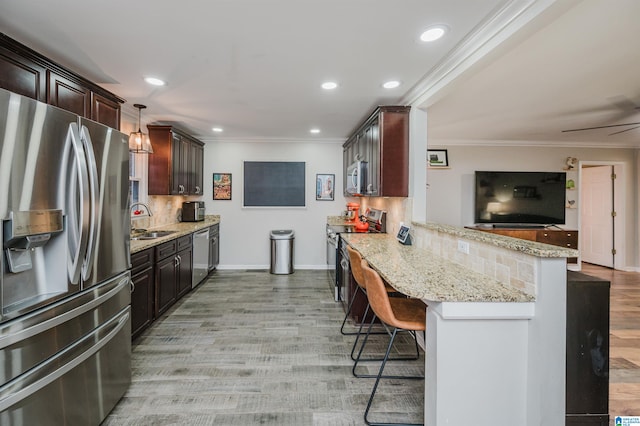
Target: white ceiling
{"x":254,"y":67}
{"x":580,"y":69}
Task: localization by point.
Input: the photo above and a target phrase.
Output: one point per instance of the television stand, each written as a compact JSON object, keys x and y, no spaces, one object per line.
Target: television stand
{"x":555,"y":237}
{"x":518,"y":226}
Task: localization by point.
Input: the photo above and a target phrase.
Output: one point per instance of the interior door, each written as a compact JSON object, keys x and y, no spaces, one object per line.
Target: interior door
{"x":596,"y":234}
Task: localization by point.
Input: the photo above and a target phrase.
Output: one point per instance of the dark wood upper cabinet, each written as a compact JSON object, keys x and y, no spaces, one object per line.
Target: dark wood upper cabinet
{"x":22,"y":76}
{"x":28,"y":73}
{"x":105,"y":110}
{"x":176,"y":165}
{"x":69,"y":95}
{"x":382,"y":140}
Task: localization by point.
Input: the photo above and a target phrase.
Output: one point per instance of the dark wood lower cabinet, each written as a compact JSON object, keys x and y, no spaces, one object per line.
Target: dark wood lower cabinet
{"x":142,"y":294}
{"x":185,"y":259}
{"x":161,"y":275}
{"x":141,"y":302}
{"x":166,"y":274}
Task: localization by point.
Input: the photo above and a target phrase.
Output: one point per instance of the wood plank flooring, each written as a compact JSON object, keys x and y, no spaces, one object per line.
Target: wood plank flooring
{"x":249,"y":348}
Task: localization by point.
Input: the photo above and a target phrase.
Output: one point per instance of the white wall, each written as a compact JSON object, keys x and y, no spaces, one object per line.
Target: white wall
{"x":244,"y":232}
{"x":450,"y":191}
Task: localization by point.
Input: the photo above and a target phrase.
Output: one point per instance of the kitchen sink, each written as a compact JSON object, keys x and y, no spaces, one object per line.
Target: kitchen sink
{"x":152,"y":235}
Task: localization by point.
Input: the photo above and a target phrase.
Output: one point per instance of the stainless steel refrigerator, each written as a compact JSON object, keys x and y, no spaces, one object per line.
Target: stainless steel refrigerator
{"x":65,"y":329}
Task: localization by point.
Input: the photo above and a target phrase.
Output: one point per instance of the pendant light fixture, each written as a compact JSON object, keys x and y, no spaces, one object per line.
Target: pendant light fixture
{"x":139,"y":142}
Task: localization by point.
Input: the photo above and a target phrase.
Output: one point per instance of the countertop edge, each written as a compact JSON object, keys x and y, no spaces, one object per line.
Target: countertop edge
{"x":516,"y":244}
{"x":181,"y":229}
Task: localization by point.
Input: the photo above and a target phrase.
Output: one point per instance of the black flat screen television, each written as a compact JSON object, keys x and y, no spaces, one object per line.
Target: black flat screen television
{"x":512,"y":199}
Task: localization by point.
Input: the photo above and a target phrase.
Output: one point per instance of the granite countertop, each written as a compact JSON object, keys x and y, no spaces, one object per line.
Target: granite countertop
{"x":421,"y":274}
{"x":181,"y":229}
{"x":516,"y":244}
{"x":338,"y":220}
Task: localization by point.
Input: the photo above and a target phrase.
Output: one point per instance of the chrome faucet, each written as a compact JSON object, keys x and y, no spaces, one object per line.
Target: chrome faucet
{"x":143,"y":205}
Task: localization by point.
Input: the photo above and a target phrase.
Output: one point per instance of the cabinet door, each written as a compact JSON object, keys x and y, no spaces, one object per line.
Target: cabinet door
{"x":141,"y":301}
{"x":185,"y":270}
{"x":196,"y":169}
{"x":178,"y":184}
{"x":22,"y":76}
{"x":165,"y":289}
{"x":105,"y":111}
{"x":373,"y":158}
{"x":69,"y":95}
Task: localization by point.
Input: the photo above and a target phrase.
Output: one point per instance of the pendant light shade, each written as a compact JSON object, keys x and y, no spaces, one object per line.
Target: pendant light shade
{"x":139,"y":142}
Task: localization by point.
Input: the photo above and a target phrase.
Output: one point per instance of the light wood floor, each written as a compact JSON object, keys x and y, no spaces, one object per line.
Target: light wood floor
{"x":248,"y":348}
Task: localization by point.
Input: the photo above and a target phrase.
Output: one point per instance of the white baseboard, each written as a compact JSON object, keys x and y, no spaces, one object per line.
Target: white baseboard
{"x":267,"y":267}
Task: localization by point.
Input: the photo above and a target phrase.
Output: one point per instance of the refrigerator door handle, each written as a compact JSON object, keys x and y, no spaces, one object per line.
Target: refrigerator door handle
{"x":77,"y":215}
{"x":72,"y":356}
{"x":94,"y":198}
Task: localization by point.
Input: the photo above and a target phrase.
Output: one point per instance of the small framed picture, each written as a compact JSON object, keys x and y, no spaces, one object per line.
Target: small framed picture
{"x":324,"y":187}
{"x":222,"y":186}
{"x":437,"y":158}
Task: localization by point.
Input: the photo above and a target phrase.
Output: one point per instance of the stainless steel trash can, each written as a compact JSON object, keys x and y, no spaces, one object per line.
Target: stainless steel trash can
{"x":282,"y":251}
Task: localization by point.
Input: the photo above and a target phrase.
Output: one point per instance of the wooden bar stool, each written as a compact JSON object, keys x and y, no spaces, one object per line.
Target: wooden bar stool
{"x":356,"y":269}
{"x":397,"y":313}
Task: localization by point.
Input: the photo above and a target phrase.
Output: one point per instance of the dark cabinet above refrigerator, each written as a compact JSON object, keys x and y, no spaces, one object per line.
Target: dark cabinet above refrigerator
{"x":28,"y":73}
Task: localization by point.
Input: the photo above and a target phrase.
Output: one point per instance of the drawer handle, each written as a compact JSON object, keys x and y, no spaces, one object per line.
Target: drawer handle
{"x":546,"y":235}
{"x":568,"y":235}
{"x":568,"y":244}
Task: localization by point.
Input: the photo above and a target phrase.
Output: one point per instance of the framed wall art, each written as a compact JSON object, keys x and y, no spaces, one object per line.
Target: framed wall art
{"x":325,"y":184}
{"x":437,"y":158}
{"x":222,"y":186}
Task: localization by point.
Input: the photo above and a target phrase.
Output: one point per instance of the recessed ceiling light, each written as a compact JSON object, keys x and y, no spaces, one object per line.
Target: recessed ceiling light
{"x":217,"y":129}
{"x":329,"y":85}
{"x":314,"y":131}
{"x":433,"y":33}
{"x":391,"y":84}
{"x":154,"y":81}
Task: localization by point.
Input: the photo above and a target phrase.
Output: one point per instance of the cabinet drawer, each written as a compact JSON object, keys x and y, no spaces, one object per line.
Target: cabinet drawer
{"x":166,"y":249}
{"x":567,"y":239}
{"x":142,"y":260}
{"x":214,"y":229}
{"x":184,"y":242}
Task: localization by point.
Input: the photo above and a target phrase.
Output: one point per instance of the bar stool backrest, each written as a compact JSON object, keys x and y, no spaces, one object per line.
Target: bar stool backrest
{"x":356,"y":269}
{"x":377,"y":295}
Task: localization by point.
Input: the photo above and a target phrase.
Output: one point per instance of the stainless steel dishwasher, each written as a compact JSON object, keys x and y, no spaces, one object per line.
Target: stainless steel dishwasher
{"x":200,"y":256}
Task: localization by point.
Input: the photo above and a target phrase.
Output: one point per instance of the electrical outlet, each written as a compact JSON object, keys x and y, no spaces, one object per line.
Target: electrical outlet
{"x":463,"y":247}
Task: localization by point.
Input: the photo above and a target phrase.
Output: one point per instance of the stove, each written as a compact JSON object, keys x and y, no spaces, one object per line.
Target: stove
{"x":337,"y":264}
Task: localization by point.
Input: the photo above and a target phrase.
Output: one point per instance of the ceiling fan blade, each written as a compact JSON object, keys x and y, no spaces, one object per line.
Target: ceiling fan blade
{"x":601,"y":127}
{"x":625,"y":130}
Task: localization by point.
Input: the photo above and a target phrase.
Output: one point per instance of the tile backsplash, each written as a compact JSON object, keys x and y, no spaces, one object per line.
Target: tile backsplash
{"x":166,"y":210}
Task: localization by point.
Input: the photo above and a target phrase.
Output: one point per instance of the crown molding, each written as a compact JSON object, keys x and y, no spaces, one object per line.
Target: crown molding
{"x":218,"y":139}
{"x":529,"y":144}
{"x":488,"y":34}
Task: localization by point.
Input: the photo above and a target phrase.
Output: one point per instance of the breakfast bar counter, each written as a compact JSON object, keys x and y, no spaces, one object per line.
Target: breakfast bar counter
{"x":418,"y":273}
{"x":496,"y":320}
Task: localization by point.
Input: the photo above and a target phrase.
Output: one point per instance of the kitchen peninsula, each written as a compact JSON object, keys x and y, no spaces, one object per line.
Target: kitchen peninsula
{"x":495,"y":337}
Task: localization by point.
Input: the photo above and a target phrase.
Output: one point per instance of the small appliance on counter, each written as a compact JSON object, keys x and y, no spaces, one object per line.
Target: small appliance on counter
{"x":352,"y":211}
{"x":192,"y":211}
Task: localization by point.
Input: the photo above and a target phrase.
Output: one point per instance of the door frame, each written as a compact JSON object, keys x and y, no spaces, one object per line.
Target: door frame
{"x":619,"y":201}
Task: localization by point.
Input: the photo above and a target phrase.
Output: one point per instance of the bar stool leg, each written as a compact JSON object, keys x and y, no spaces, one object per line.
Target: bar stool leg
{"x":386,"y":358}
{"x":375,"y":387}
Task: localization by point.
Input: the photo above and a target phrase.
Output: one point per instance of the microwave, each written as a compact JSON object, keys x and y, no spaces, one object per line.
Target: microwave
{"x":192,"y":211}
{"x":356,"y":178}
